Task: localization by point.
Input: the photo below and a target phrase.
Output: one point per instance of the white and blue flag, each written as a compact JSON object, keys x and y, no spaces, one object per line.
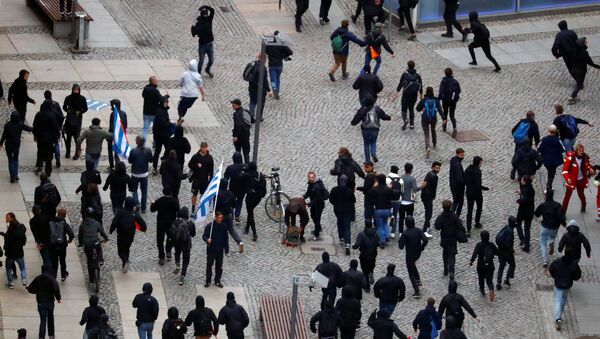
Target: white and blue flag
{"x":120,"y":142}
{"x":211,"y":193}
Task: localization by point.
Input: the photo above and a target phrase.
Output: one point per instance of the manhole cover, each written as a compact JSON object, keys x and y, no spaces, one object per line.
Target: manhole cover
{"x":225,"y":9}
{"x":472,"y":135}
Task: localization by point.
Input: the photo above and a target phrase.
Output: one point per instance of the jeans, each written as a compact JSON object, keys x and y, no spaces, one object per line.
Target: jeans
{"x":57,"y":151}
{"x":343,"y":227}
{"x":143,"y":183}
{"x":560,"y":300}
{"x":428,"y":205}
{"x":254,"y":102}
{"x":396,"y":205}
{"x":328,"y":294}
{"x":93,"y":158}
{"x":275,"y":76}
{"x":368,"y":62}
{"x":145,"y":330}
{"x":485,"y":46}
{"x":547,"y":235}
{"x":381,"y":222}
{"x":9,"y":263}
{"x":370,"y":142}
{"x":148,"y":120}
{"x":568,"y":144}
{"x":46,"y":311}
{"x":185,"y":103}
{"x":206,"y":50}
{"x":388,"y":307}
{"x":13,"y":162}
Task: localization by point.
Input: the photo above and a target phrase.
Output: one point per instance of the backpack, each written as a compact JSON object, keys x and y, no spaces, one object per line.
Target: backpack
{"x":488,"y":255}
{"x":451,"y":91}
{"x":249,"y":73}
{"x":412,"y":79}
{"x":461,"y":234}
{"x":430,"y":109}
{"x":325,"y":191}
{"x":370,"y":120}
{"x":570,"y":123}
{"x":337,"y":43}
{"x":57,"y":232}
{"x":396,"y":188}
{"x":177,"y":329}
{"x":522,"y":132}
{"x":434,"y":329}
{"x":258,"y":185}
{"x":248,"y":120}
{"x":49,"y":194}
{"x":181,"y":234}
{"x":503,"y":237}
{"x":204,"y":326}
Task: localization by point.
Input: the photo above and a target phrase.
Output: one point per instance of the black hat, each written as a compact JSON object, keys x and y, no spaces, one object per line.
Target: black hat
{"x":236,"y":101}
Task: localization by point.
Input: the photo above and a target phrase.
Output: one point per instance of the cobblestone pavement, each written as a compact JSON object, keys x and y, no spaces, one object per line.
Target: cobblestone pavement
{"x":303,"y":131}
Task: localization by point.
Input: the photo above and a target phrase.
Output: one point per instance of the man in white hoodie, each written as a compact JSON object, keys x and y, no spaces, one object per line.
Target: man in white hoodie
{"x":191,"y":88}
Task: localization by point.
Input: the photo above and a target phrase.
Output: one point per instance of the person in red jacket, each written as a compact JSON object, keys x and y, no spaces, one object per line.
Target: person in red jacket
{"x":577,"y":169}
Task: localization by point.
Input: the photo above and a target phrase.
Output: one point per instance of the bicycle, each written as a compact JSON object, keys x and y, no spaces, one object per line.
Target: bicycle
{"x":277,"y":200}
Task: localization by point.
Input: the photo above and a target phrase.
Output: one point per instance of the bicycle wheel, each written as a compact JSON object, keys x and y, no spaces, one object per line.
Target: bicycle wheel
{"x":274,"y":207}
{"x":97,"y":279}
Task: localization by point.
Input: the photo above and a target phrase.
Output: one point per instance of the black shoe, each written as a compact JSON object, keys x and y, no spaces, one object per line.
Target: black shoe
{"x":404,"y":126}
{"x":445,"y":272}
{"x":331,"y":77}
{"x":468,"y":233}
{"x":417,"y":295}
{"x":498,"y":287}
{"x":474,"y":63}
{"x":254,"y":237}
{"x":219,"y":285}
{"x":64,"y":277}
{"x":12,"y":181}
{"x":207,"y":285}
{"x":582,"y":210}
{"x":276,"y":95}
{"x":246,"y":230}
{"x":558,"y":324}
{"x":526,"y":249}
{"x":419,"y":283}
{"x":169,"y":256}
{"x":302,"y":239}
{"x":497,"y":69}
{"x":448,"y":35}
{"x":374,"y":158}
{"x":161,"y":261}
{"x":155,"y":171}
{"x":412,"y":126}
{"x":347,"y":250}
{"x":67,"y":155}
{"x":464,"y":36}
{"x":58,"y":164}
{"x":298,"y":28}
{"x":507,"y":283}
{"x":345,"y":76}
{"x":482,"y":292}
{"x":210,"y":75}
{"x":353,"y":17}
{"x":478,"y":225}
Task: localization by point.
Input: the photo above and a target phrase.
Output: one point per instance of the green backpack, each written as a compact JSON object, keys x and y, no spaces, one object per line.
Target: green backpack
{"x":337,"y":43}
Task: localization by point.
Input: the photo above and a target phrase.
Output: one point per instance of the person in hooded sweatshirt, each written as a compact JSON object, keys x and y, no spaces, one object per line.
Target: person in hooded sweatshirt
{"x":415,"y":242}
{"x":475,"y":190}
{"x":91,"y":316}
{"x":367,"y":83}
{"x":171,"y":173}
{"x":75,"y":105}
{"x":17,"y":94}
{"x":343,"y":200}
{"x":572,"y":241}
{"x":317,"y":193}
{"x":354,"y":279}
{"x":430,"y":106}
{"x":166,"y":207}
{"x":425,"y":319}
{"x":369,"y":116}
{"x":54,"y":106}
{"x":349,"y":313}
{"x":411,"y":86}
{"x":179,"y":144}
{"x":126,"y":222}
{"x":46,"y":290}
{"x":340,"y":56}
{"x":204,"y":320}
{"x":57,"y":247}
{"x":564,"y":270}
{"x":173,"y":327}
{"x":92,"y":200}
{"x":201,"y":167}
{"x":390,"y":290}
{"x":161,"y":129}
{"x":384,"y":327}
{"x":451,"y":229}
{"x":118,"y":181}
{"x":191,"y":87}
{"x":551,"y":149}
{"x":345,"y":165}
{"x":452,"y":330}
{"x":457,"y":181}
{"x":481,"y":39}
{"x":526,"y":210}
{"x":253,"y":89}
{"x":115,"y":104}
{"x":375,"y":39}
{"x":11,"y":138}
{"x":182,"y":232}
{"x":253,"y":196}
{"x":329,"y":322}
{"x":235,"y":174}
{"x":204,"y":30}
{"x":147,"y":311}
{"x":453,"y":304}
{"x":234,"y":317}
{"x":449,"y":94}
{"x":381,"y":196}
{"x":14,"y":242}
{"x":333,"y":272}
{"x":506,"y":253}
{"x":552,"y":218}
{"x":104,"y":330}
{"x":45,"y":133}
{"x":484,"y":252}
{"x":366,"y":243}
{"x":565,"y":45}
{"x":89,"y":176}
{"x":526,"y":160}
{"x":369,"y":182}
{"x":581,"y":59}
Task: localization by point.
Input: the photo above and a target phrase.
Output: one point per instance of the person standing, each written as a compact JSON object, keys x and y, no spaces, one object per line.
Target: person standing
{"x":340,"y":43}
{"x":11,"y":138}
{"x":90,"y":317}
{"x":40,"y":228}
{"x":430,"y":106}
{"x":349,"y":313}
{"x":234,"y":317}
{"x":203,"y":29}
{"x":201,"y":166}
{"x":17,"y":94}
{"x":94,"y":137}
{"x":552,"y":218}
{"x":428,"y":321}
{"x":252,"y":79}
{"x":450,"y":9}
{"x":375,"y":40}
{"x":452,"y":232}
{"x":457,"y":181}
{"x":14,"y":241}
{"x":75,"y":105}
{"x":328,"y":320}
{"x":453,"y":304}
{"x":204,"y":320}
{"x":277,"y":54}
{"x":404,"y":15}
{"x":369,"y":182}
{"x":115,"y":104}
{"x":152,"y":98}
{"x":576,"y":171}
{"x":317,"y":193}
{"x":126,"y":222}
{"x":54,"y":106}
{"x":242,"y":122}
{"x":147,"y":311}
{"x":139,"y":158}
{"x":46,"y":290}
{"x":572,"y":241}
{"x":216,"y":239}
{"x":367,"y":242}
{"x":173,"y":327}
{"x":581,"y":59}
{"x":505,"y":240}
{"x":481,"y":39}
{"x":381,"y":196}
{"x":428,"y":194}
{"x":567,"y":127}
{"x":383,"y":326}
{"x":415,"y":242}
{"x":409,"y":189}
{"x":343,"y":200}
{"x":367,"y":84}
{"x":564,"y":271}
{"x":484,"y":252}
{"x":354,"y":280}
{"x":345,"y":165}
{"x":167,"y":208}
{"x":256,"y":190}
{"x":411,"y":86}
{"x":551,"y":149}
{"x":474,"y":191}
{"x":182,"y":232}
{"x":565,"y":45}
{"x":369,"y":116}
{"x":61,"y":235}
{"x":390,"y":290}
{"x":45,"y":132}
{"x":333,"y":272}
{"x":191,"y":87}
{"x":449,"y":95}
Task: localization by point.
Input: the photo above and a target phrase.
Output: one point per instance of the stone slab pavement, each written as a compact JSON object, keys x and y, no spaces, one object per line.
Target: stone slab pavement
{"x":104,"y":30}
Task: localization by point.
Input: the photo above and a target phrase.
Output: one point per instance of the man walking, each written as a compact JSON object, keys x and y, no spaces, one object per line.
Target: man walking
{"x":481,"y":39}
{"x":242,"y":122}
{"x":567,"y":127}
{"x":451,"y":233}
{"x":453,"y":304}
{"x":449,"y":94}
{"x":369,"y":116}
{"x":564,"y":270}
{"x":565,"y":45}
{"x":252,"y":79}
{"x":367,"y":83}
{"x":17,"y":94}
{"x":45,"y":132}
{"x":167,"y":208}
{"x":428,"y":194}
{"x":115,"y":104}
{"x":430,"y":106}
{"x":390,"y":290}
{"x":411,"y":86}
{"x":349,"y":313}
{"x":457,"y":181}
{"x":234,"y":317}
{"x":203,"y":29}
{"x":147,"y":311}
{"x":367,"y":242}
{"x":333,"y":272}
{"x":505,"y":240}
{"x":53,"y":106}
{"x":202,"y":167}
{"x":451,"y":6}
{"x":301,"y":8}
{"x":552,"y":218}
{"x":75,"y":105}
{"x":152,"y":98}
{"x":126,"y":222}
{"x":216,"y":239}
{"x":415,"y":242}
{"x":94,"y":137}
{"x":139,"y":158}
{"x":354,"y":280}
{"x":525,"y":212}
{"x":182,"y":231}
{"x":409,"y":189}
{"x":61,"y":235}
{"x":317,"y":193}
{"x":277,"y":54}
{"x":46,"y":290}
{"x":474,"y":191}
{"x":14,"y":241}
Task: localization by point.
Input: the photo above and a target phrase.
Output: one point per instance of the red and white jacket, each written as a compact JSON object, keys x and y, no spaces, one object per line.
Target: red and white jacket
{"x":570,"y":169}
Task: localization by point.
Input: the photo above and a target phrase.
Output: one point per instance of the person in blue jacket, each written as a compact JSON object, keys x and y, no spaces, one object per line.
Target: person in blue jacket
{"x":425,"y":319}
{"x":340,"y":53}
{"x":551,"y":149}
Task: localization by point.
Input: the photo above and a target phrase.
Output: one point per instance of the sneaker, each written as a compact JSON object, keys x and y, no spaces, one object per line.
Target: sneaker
{"x":331,"y":77}
{"x":417,"y":295}
{"x":545,"y":265}
{"x":207,"y":285}
{"x":570,"y":101}
{"x":412,"y":126}
{"x":210,"y":75}
{"x":448,"y":35}
{"x":276,"y":95}
{"x":412,"y":37}
{"x":551,"y":248}
{"x":482,"y":292}
{"x":582,"y":209}
{"x":241,"y":244}
{"x":419,"y":283}
{"x":478,"y":225}
{"x":374,"y":158}
{"x":347,"y":249}
{"x":474,"y":63}
{"x":345,"y":76}
{"x":181,"y":280}
{"x":67,"y":155}
{"x":492,"y":296}
{"x":393,"y":235}
{"x":126,"y":267}
{"x":497,"y":69}
{"x":499,"y":287}
{"x":219,"y":285}
{"x":64,"y":277}
{"x":155,"y":171}
{"x":38,"y":170}
{"x":404,"y":126}
{"x":298,"y":28}
{"x":322,"y":21}
{"x":254,"y":238}
{"x":24,"y":283}
{"x":454,"y":132}
{"x":238,"y":220}
{"x":176,"y":270}
{"x":428,"y":153}
{"x":161,"y":261}
{"x":507,"y":283}
{"x":445,"y":272}
{"x":76,"y":156}
{"x":58,"y":164}
{"x":353,"y":17}
{"x":444,"y":126}
{"x":558,"y":324}
{"x":428,"y":235}
{"x":10,"y":285}
{"x":468,"y":233}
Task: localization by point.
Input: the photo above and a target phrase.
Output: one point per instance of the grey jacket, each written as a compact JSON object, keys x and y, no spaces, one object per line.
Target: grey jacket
{"x":409,"y":187}
{"x":88,"y":232}
{"x":94,"y":136}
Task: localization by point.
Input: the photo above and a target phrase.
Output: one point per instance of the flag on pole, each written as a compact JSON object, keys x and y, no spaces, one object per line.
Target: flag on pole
{"x":120,"y":142}
{"x":211,"y":192}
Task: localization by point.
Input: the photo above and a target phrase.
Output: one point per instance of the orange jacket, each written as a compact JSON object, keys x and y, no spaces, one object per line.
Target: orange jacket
{"x":570,"y":169}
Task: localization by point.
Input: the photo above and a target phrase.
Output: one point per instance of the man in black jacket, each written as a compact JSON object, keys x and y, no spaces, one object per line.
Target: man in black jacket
{"x":51,"y":105}
{"x":203,"y":29}
{"x":565,"y":45}
{"x":115,"y":103}
{"x":457,"y":181}
{"x":147,"y":311}
{"x":564,"y":270}
{"x":242,"y":122}
{"x":301,"y":8}
{"x":14,"y":241}
{"x":17,"y":94}
{"x":383,"y":326}
{"x":370,"y":177}
{"x":572,"y":241}
{"x":204,"y":319}
{"x":367,"y":84}
{"x":475,"y":190}
{"x":161,"y":130}
{"x":449,"y":94}
{"x":428,"y":194}
{"x":552,"y":218}
{"x":453,"y":304}
{"x":390,"y":290}
{"x":367,"y":242}
{"x":167,"y":207}
{"x":75,"y":105}
{"x":451,"y":232}
{"x":46,"y":196}
{"x":506,"y":253}
{"x":226,"y":203}
{"x":415,"y":242}
{"x":171,"y":173}
{"x":11,"y":134}
{"x":46,"y":290}
{"x":235,"y":174}
{"x":277,"y":54}
{"x":45,"y":132}
{"x":201,"y":167}
{"x":126,"y":222}
{"x":253,"y":89}
{"x":481,"y":39}
{"x":411,"y":86}
{"x":348,"y":312}
{"x":333,"y":272}
{"x":328,"y":320}
{"x":40,"y":227}
{"x":354,"y":279}
{"x":215,"y":236}
{"x":525,"y":212}
{"x":234,"y":317}
{"x":182,"y":232}
{"x":317,"y":193}
{"x":152,"y":98}
{"x":450,"y":19}
{"x":526,"y":160}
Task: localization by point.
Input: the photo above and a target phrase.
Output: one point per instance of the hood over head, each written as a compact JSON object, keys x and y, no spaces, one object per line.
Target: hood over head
{"x":193,"y":65}
{"x":477,"y":160}
{"x":147,"y":288}
{"x":390,"y":269}
{"x":409,"y":221}
{"x":15,"y":117}
{"x":76,"y":87}
{"x":120,"y":168}
{"x":381,"y":180}
{"x":237,"y":158}
{"x":230,"y":296}
{"x":325,"y":257}
{"x":252,"y":166}
{"x":369,"y":100}
{"x":342,"y":180}
{"x":581,"y":43}
{"x":22,"y":74}
{"x":173,"y":313}
{"x":224,"y":183}
{"x":452,"y":286}
{"x":451,"y":322}
{"x":184,"y":213}
{"x":572,"y":227}
{"x":129,"y":203}
{"x":512,"y":222}
{"x":93,"y":300}
{"x":473,"y":16}
{"x":485,"y":236}
{"x":200,"y":302}
{"x":383,"y":314}
{"x":563,"y":25}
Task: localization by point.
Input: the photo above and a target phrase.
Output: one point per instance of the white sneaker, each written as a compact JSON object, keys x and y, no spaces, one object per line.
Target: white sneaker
{"x":428,"y":235}
{"x":393,"y":235}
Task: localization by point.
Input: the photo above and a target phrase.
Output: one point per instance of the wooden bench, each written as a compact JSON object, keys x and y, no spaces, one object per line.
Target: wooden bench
{"x":62,"y":27}
{"x":275,"y":315}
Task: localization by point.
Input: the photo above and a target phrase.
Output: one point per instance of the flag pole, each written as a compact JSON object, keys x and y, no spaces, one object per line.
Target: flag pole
{"x":216,"y":197}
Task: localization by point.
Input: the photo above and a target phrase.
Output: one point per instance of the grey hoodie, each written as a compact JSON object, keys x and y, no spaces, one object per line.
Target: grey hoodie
{"x":190,"y":80}
{"x":409,"y":186}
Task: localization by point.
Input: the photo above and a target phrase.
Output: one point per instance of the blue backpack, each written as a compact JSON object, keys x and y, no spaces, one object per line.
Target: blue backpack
{"x":434,"y":330}
{"x":503,"y":236}
{"x":430,"y":109}
{"x":522,"y":132}
{"x":571,"y":124}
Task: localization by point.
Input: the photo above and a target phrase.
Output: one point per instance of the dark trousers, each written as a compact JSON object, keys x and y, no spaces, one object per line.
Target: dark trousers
{"x":428,"y":205}
{"x":117,"y":201}
{"x":324,"y":9}
{"x":328,"y":294}
{"x":369,"y":214}
{"x":405,"y":210}
{"x":485,"y":275}
{"x":450,"y":19}
{"x":506,"y":258}
{"x":111,"y":156}
{"x":524,"y":215}
{"x":89,"y":258}
{"x":301,"y":8}
{"x":407,"y":105}
{"x":369,"y":19}
{"x":71,"y":134}
{"x":470,"y":204}
{"x":123,"y":247}
{"x":449,"y":258}
{"x":214,"y":259}
{"x":185,"y":103}
{"x":413,"y":274}
{"x":21,"y":109}
{"x":316,"y":210}
{"x":239,"y":201}
{"x":208,"y":51}
{"x":568,"y":60}
{"x":45,"y":151}
{"x":46,"y":311}
{"x":367,"y":265}
{"x":404,"y":14}
{"x":58,"y":254}
{"x":254,"y":103}
{"x":448,"y":108}
{"x":358,"y":10}
{"x":485,"y":46}
{"x":343,"y":227}
{"x":348,"y":332}
{"x":579,"y":77}
{"x":251,"y":203}
{"x":551,"y":175}
{"x":158,"y":145}
{"x":161,"y":234}
{"x":243,"y":145}
{"x":185,"y":251}
{"x":458,"y":199}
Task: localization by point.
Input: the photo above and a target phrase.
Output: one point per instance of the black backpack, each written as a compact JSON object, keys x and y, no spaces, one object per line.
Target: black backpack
{"x":249,"y":72}
{"x":258,"y":185}
{"x":57,"y":232}
{"x":325,"y":191}
{"x":461,"y":234}
{"x":204,"y":326}
{"x":181,"y":232}
{"x":488,"y":255}
{"x":503,"y":237}
{"x":412,"y":85}
{"x":396,"y":188}
{"x":49,"y":194}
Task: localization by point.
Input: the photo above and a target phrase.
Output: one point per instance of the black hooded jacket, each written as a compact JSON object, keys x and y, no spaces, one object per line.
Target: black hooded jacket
{"x":457,"y":174}
{"x":14,"y":240}
{"x":203,"y":27}
{"x":171,"y":173}
{"x":152,"y":97}
{"x":453,"y":303}
{"x":389,"y":289}
{"x":342,"y":198}
{"x":551,"y":213}
{"x":381,"y":195}
{"x":413,"y":239}
{"x":565,"y":43}
{"x":236,"y":174}
{"x":204,"y":319}
{"x":348,"y":167}
{"x":225,"y":199}
{"x":581,"y":58}
{"x":161,"y":128}
{"x":146,"y":304}
{"x":118,"y":182}
{"x":91,"y":314}
{"x":480,"y":32}
{"x":317,"y":193}
{"x":328,"y":320}
{"x":452,"y":331}
{"x":368,"y":83}
{"x":234,"y":317}
{"x":11,"y":135}
{"x":126,"y":219}
{"x":122,"y":116}
{"x":331,"y":270}
{"x":179,"y":144}
{"x":384,"y":327}
{"x":564,"y":270}
{"x":450,"y":225}
{"x":167,"y":208}
{"x":348,"y":309}
{"x":75,"y":105}
{"x":526,"y":160}
{"x":483,"y":251}
{"x":473,"y":182}
{"x":202,"y":167}
{"x":17,"y":92}
{"x":45,"y":127}
{"x":573,"y":240}
{"x":367,"y":242}
{"x":354,"y":281}
{"x":173,"y":327}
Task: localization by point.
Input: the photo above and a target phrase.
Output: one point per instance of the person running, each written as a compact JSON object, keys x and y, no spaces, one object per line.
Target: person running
{"x":430,"y":106}
{"x":256,"y":190}
{"x":481,"y":39}
{"x":139,"y":158}
{"x":354,"y":280}
{"x":564,"y":271}
{"x":390,"y":290}
{"x":452,"y":331}
{"x":343,"y":200}
{"x":581,"y":59}
{"x":277,"y":54}
{"x":369,"y":116}
{"x":409,"y":190}
{"x":152,"y":102}
{"x":126,"y":222}
{"x":565,"y":45}
{"x":349,"y":313}
{"x":236,"y":177}
{"x":75,"y":105}
{"x":404,"y":9}
{"x":367,"y":84}
{"x":234,"y":317}
{"x":182,"y":231}
{"x":88,"y":239}
{"x":11,"y":138}
{"x":61,"y":235}
{"x":367,"y":242}
{"x":340,"y":40}
{"x":484,"y":252}
{"x":317,"y":193}
{"x":383,"y":326}
{"x":526,"y":210}
{"x":333,"y":272}
{"x":411,"y":86}
{"x":526,"y":160}
{"x":118,"y":182}
{"x":450,"y":9}
{"x":46,"y":290}
{"x":381,"y":197}
{"x":173,"y":327}
{"x":345,"y":165}
{"x":427,"y":321}
{"x":147,"y":311}
{"x":204,"y":30}
{"x":202,"y":167}
{"x":301,"y":8}
{"x":551,"y":149}
{"x":475,"y":189}
{"x":179,"y":144}
{"x":216,"y":239}
{"x":552,"y":218}
{"x":505,"y":240}
{"x":567,"y":127}
{"x":191,"y":87}
{"x":452,"y":232}
{"x":161,"y":131}
{"x":14,"y":241}
{"x":204,"y":320}
{"x":453,"y":304}
{"x":94,"y":136}
{"x":375,"y":40}
{"x":171,"y":173}
{"x":17,"y":94}
{"x":167,"y":208}
{"x":328,"y":320}
{"x":577,"y":169}
{"x":90,"y":317}
{"x":415,"y":242}
{"x":242,"y":123}
{"x":572,"y":241}
{"x":457,"y":181}
{"x":115,"y":104}
{"x":449,"y":95}
{"x":428,"y":194}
